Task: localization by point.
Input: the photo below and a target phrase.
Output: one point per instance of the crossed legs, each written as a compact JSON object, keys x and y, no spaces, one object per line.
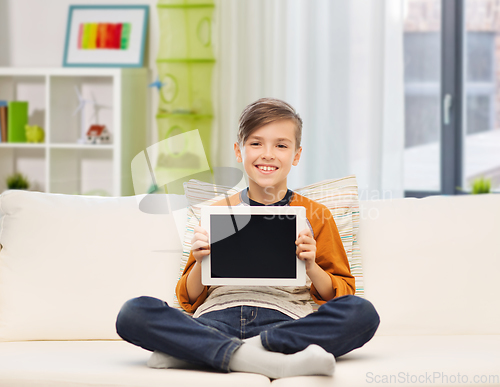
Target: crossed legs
{"x":339,"y":326}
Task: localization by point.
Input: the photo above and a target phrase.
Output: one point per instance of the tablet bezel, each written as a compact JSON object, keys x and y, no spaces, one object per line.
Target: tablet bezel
{"x":301,"y":224}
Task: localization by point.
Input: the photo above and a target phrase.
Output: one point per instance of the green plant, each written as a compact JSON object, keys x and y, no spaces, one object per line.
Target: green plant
{"x":481,"y":185}
{"x":17,"y":181}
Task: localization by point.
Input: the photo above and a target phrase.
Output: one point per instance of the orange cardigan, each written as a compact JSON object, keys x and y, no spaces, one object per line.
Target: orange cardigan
{"x":330,"y":253}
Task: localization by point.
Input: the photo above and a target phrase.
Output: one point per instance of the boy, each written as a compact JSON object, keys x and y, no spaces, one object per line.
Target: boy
{"x":267,"y":330}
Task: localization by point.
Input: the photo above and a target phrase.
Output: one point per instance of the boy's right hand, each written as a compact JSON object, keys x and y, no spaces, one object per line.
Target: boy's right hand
{"x":199,"y":244}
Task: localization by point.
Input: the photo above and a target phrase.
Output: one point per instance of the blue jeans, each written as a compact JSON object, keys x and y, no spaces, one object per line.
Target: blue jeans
{"x":339,"y":326}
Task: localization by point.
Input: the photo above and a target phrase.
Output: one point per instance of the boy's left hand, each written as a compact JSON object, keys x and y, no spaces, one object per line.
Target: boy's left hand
{"x":306,"y":248}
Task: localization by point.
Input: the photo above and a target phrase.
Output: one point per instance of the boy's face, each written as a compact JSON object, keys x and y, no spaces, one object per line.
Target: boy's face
{"x":268,"y":155}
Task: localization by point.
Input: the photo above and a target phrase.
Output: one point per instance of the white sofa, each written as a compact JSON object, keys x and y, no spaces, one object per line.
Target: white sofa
{"x":68,"y":263}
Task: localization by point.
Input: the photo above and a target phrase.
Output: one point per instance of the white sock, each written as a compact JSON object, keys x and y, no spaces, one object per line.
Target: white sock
{"x":254,"y":340}
{"x":162,"y":360}
{"x":254,"y":358}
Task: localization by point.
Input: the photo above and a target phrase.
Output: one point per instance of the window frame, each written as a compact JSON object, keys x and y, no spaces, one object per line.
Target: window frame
{"x":452,"y":83}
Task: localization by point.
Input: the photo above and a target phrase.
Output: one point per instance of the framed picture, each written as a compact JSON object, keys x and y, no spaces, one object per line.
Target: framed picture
{"x":106,"y":35}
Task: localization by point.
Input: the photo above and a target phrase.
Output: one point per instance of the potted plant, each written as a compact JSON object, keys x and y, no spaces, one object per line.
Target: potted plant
{"x":481,"y":185}
{"x":17,"y":181}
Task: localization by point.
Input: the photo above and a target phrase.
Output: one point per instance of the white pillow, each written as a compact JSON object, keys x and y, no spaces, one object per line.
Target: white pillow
{"x":341,"y":198}
{"x":69,"y":263}
{"x":198,"y":194}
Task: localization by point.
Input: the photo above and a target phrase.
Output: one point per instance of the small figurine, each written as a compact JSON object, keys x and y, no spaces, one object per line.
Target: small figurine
{"x":34,"y":133}
{"x":82,"y":103}
{"x":98,"y":134}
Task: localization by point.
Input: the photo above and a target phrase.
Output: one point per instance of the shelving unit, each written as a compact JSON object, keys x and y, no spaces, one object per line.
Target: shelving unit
{"x":185,"y":68}
{"x":61,"y":164}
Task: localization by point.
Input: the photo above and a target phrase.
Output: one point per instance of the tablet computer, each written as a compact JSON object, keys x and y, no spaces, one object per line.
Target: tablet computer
{"x":253,"y":245}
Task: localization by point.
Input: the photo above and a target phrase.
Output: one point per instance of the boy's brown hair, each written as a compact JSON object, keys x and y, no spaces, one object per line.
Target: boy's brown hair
{"x":263,"y":112}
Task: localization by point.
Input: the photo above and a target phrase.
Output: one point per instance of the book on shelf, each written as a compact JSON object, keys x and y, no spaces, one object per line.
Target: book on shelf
{"x":3,"y":122}
{"x":3,"y":137}
{"x":16,"y":123}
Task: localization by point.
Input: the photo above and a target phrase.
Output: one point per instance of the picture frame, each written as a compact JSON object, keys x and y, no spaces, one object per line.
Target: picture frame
{"x":106,"y":36}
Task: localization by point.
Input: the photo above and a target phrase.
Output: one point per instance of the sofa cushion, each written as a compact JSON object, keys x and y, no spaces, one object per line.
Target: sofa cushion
{"x":341,"y":198}
{"x":69,"y":263}
{"x":198,"y":194}
{"x":101,"y":363}
{"x":431,"y":265}
{"x":414,"y":361}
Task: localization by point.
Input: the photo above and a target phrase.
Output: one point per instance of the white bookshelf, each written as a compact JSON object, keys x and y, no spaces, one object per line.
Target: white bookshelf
{"x":61,"y":164}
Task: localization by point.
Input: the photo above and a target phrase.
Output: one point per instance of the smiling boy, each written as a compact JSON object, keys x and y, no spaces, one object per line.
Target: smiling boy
{"x":261,"y":329}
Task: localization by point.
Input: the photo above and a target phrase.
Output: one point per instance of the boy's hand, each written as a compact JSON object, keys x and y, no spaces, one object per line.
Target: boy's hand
{"x":306,"y":248}
{"x":200,"y":247}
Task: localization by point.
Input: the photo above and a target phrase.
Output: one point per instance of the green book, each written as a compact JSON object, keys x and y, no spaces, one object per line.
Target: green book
{"x":17,"y":120}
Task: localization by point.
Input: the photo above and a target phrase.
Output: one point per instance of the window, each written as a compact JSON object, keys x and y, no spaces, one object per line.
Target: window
{"x":422,"y":60}
{"x":452,"y":135}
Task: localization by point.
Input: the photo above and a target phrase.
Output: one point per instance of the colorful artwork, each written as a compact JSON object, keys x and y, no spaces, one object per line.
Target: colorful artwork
{"x":110,"y":36}
{"x":106,"y":35}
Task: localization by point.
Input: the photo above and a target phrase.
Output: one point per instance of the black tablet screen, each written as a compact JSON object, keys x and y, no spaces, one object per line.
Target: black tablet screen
{"x":263,"y":248}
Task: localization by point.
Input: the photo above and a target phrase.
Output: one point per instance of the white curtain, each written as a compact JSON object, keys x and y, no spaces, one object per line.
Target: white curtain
{"x":339,"y":63}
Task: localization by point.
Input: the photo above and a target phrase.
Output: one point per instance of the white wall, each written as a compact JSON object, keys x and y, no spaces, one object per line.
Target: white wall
{"x":32,"y":34}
